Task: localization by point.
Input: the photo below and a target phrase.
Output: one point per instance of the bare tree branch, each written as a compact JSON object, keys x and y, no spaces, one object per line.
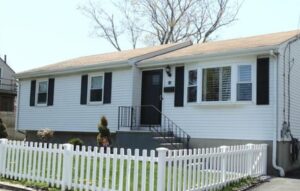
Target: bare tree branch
{"x":161,"y":21}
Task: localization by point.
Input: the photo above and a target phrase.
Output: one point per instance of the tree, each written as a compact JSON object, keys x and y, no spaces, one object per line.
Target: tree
{"x":3,"y":131}
{"x":160,"y":21}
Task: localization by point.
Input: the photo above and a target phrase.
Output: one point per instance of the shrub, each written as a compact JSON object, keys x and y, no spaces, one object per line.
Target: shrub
{"x":3,"y":132}
{"x":104,"y":137}
{"x":76,"y":142}
{"x":45,"y":134}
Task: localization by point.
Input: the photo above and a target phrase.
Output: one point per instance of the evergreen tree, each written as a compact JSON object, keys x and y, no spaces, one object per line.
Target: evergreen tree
{"x":103,"y":137}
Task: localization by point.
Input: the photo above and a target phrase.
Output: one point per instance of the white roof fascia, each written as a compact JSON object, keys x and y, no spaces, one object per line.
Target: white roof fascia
{"x":205,"y":57}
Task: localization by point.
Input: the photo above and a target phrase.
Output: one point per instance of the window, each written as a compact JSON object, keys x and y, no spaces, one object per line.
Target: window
{"x":244,"y":85}
{"x":192,"y":86}
{"x":42,"y":92}
{"x":96,"y":89}
{"x":216,"y":84}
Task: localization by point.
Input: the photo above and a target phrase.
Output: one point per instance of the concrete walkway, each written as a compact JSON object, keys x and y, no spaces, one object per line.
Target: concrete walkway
{"x":279,"y":184}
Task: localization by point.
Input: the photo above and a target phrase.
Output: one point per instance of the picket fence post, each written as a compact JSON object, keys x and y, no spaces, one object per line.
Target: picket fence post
{"x":250,"y":158}
{"x":265,"y":159}
{"x":224,"y":150}
{"x":3,"y":144}
{"x":67,"y":166}
{"x":161,"y":167}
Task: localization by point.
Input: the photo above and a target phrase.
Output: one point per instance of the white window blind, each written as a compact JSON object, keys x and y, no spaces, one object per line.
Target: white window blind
{"x":244,"y":85}
{"x":216,"y":84}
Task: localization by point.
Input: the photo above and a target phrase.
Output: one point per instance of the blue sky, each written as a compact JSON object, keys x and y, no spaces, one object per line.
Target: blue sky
{"x":34,"y":33}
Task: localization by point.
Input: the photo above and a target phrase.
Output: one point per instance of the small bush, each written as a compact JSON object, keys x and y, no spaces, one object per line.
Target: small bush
{"x":45,"y":134}
{"x":104,"y":137}
{"x":3,"y":132}
{"x":76,"y":142}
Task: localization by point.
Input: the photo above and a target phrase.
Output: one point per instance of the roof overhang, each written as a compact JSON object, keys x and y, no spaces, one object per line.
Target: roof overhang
{"x":74,"y":70}
{"x":205,"y":57}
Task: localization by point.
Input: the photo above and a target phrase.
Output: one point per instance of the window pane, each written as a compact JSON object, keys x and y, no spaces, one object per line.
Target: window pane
{"x":192,"y":77}
{"x":96,"y":95}
{"x":244,"y":73}
{"x":244,"y":92}
{"x":97,"y":82}
{"x":210,"y":84}
{"x":192,"y":94}
{"x":226,"y":83}
{"x":43,"y":86}
{"x":216,"y":84}
{"x":42,"y":98}
{"x":156,"y":80}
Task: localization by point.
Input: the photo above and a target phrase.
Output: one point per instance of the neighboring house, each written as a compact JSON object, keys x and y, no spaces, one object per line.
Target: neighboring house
{"x":8,"y":92}
{"x":8,"y":89}
{"x":218,"y":93}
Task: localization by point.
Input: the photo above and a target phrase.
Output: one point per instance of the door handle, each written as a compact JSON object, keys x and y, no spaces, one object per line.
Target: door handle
{"x":161,"y":97}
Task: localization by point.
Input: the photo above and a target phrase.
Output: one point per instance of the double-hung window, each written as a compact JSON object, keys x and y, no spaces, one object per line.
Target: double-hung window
{"x":244,"y":84}
{"x":96,"y":88}
{"x":216,"y":84}
{"x":192,"y":86}
{"x":42,"y":93}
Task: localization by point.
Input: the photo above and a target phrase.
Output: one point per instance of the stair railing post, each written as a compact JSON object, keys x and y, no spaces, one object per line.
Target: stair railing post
{"x":67,"y":166}
{"x":3,"y":148}
{"x":161,"y":168}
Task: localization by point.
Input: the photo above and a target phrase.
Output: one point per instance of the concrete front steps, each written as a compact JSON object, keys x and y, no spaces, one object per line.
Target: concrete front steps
{"x":144,"y":139}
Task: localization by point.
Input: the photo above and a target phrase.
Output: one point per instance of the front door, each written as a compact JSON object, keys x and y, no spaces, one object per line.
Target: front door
{"x":151,"y":96}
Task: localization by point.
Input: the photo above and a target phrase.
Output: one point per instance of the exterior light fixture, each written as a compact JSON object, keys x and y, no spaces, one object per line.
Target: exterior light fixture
{"x":168,"y":71}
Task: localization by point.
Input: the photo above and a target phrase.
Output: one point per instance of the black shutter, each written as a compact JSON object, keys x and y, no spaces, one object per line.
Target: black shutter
{"x":84,"y":88}
{"x":107,"y":87}
{"x":51,"y":91}
{"x":179,"y":86}
{"x":32,"y":93}
{"x":262,"y":81}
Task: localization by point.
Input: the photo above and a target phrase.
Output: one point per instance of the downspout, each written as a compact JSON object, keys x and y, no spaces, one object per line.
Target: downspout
{"x":18,"y":110}
{"x":274,"y":151}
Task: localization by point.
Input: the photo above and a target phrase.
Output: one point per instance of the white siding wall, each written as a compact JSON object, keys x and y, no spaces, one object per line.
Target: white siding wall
{"x":295,"y":88}
{"x":245,"y":121}
{"x":67,"y":114}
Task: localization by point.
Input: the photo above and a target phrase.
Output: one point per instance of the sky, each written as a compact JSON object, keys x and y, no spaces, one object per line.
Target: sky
{"x":34,"y":33}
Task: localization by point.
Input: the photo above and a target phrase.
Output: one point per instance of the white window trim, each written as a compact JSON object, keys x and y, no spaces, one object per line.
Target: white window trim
{"x":239,"y":82}
{"x":197,"y":85}
{"x":200,"y":84}
{"x":234,"y":81}
{"x":89,"y":88}
{"x":1,"y":72}
{"x":37,"y":92}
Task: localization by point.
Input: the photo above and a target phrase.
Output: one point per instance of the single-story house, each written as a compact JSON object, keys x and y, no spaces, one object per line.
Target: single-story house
{"x":225,"y":92}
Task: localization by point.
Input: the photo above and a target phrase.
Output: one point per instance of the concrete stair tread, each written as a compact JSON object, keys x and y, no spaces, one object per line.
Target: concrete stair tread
{"x":167,"y":144}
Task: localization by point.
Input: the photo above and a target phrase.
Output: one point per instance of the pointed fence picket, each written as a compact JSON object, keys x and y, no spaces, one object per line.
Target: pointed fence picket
{"x":94,"y":168}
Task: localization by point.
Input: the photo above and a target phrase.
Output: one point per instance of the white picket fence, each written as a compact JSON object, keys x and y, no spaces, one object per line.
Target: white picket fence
{"x":118,"y":169}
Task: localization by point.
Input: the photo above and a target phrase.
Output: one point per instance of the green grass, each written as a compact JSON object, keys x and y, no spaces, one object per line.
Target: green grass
{"x":240,"y":184}
{"x":88,"y":178}
{"x":36,"y":185}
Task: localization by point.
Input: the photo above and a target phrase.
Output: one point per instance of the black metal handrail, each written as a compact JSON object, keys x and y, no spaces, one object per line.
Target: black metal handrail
{"x":129,"y":117}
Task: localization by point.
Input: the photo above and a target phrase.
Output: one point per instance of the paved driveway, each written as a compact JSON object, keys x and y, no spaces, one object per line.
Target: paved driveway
{"x":279,"y":184}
